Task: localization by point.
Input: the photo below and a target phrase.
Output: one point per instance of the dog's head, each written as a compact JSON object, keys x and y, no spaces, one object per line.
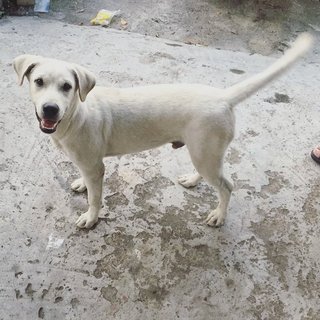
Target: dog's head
{"x":54,"y":86}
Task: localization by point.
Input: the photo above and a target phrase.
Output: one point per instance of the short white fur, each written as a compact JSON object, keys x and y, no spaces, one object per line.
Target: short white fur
{"x":97,"y":122}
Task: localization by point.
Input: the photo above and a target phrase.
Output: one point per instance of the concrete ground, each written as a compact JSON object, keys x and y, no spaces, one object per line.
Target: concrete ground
{"x":151,"y":256}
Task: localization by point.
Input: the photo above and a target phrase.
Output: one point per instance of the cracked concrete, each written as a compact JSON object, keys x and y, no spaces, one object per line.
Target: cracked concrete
{"x":151,"y":256}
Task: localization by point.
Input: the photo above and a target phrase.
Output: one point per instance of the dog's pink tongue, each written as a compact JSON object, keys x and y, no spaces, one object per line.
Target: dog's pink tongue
{"x":48,"y":123}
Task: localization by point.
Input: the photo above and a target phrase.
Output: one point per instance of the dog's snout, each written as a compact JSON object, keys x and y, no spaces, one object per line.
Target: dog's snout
{"x":50,"y":110}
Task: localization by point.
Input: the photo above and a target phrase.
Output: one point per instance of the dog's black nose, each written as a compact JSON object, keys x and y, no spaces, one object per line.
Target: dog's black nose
{"x":50,"y":110}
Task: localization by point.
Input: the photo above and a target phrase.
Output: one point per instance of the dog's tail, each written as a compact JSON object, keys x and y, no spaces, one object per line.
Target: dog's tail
{"x":246,"y":88}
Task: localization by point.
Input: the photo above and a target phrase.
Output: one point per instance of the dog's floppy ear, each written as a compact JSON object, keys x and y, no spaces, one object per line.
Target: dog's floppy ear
{"x":24,"y":64}
{"x":85,"y":81}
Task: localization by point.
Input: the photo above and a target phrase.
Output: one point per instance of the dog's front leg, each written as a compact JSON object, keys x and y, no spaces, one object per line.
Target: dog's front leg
{"x":93,"y":178}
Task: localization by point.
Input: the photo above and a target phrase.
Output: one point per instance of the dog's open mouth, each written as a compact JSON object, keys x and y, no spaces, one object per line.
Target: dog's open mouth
{"x":47,"y":125}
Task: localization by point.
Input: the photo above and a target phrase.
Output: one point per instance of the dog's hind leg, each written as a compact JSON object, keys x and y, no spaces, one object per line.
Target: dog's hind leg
{"x":208,"y":161}
{"x":217,"y":216}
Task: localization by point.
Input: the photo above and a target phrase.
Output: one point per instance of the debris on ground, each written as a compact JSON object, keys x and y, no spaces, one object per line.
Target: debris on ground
{"x":123,"y":23}
{"x":104,"y":17}
{"x":42,"y":6}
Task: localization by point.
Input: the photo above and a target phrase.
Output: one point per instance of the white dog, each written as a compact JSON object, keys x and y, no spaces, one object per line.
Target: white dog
{"x":89,"y":123}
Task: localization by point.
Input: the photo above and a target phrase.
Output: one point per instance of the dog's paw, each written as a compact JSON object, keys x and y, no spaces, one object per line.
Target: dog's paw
{"x":189,"y":180}
{"x":87,"y":220}
{"x":215,"y":218}
{"x":78,"y":185}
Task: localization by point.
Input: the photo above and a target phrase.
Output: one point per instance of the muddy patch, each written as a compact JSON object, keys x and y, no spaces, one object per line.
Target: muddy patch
{"x":278,"y":98}
{"x":154,"y":57}
{"x":248,"y":135}
{"x":241,"y":184}
{"x":156,"y":260}
{"x":237,"y":71}
{"x":151,"y":190}
{"x":114,"y":263}
{"x":276,"y":183}
{"x":233,"y":156}
{"x":115,"y":183}
{"x":308,"y":283}
{"x":116,"y":199}
{"x":274,"y":222}
{"x":264,"y":297}
{"x":109,"y":293}
{"x":311,"y":206}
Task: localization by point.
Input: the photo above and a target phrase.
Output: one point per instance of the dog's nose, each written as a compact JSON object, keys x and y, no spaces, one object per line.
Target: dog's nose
{"x":50,"y":110}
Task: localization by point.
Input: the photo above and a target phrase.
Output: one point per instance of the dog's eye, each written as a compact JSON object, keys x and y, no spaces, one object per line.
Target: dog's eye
{"x":66,"y":87}
{"x":39,"y":82}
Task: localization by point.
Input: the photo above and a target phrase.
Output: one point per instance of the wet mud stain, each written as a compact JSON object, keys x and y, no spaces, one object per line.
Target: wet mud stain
{"x":74,"y":303}
{"x":114,"y":264}
{"x":276,"y":183}
{"x":150,"y":190}
{"x":233,"y":156}
{"x":29,"y":291}
{"x":154,"y":57}
{"x":41,"y":313}
{"x":237,"y":71}
{"x":239,"y":184}
{"x":278,"y":98}
{"x":309,"y":283}
{"x":18,"y":294}
{"x":116,"y":183}
{"x":156,"y":263}
{"x":109,"y":293}
{"x":311,"y":206}
{"x":269,"y":301}
{"x":116,"y":199}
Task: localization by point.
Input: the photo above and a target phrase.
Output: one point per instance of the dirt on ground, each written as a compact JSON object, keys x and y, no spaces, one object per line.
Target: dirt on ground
{"x":256,"y":26}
